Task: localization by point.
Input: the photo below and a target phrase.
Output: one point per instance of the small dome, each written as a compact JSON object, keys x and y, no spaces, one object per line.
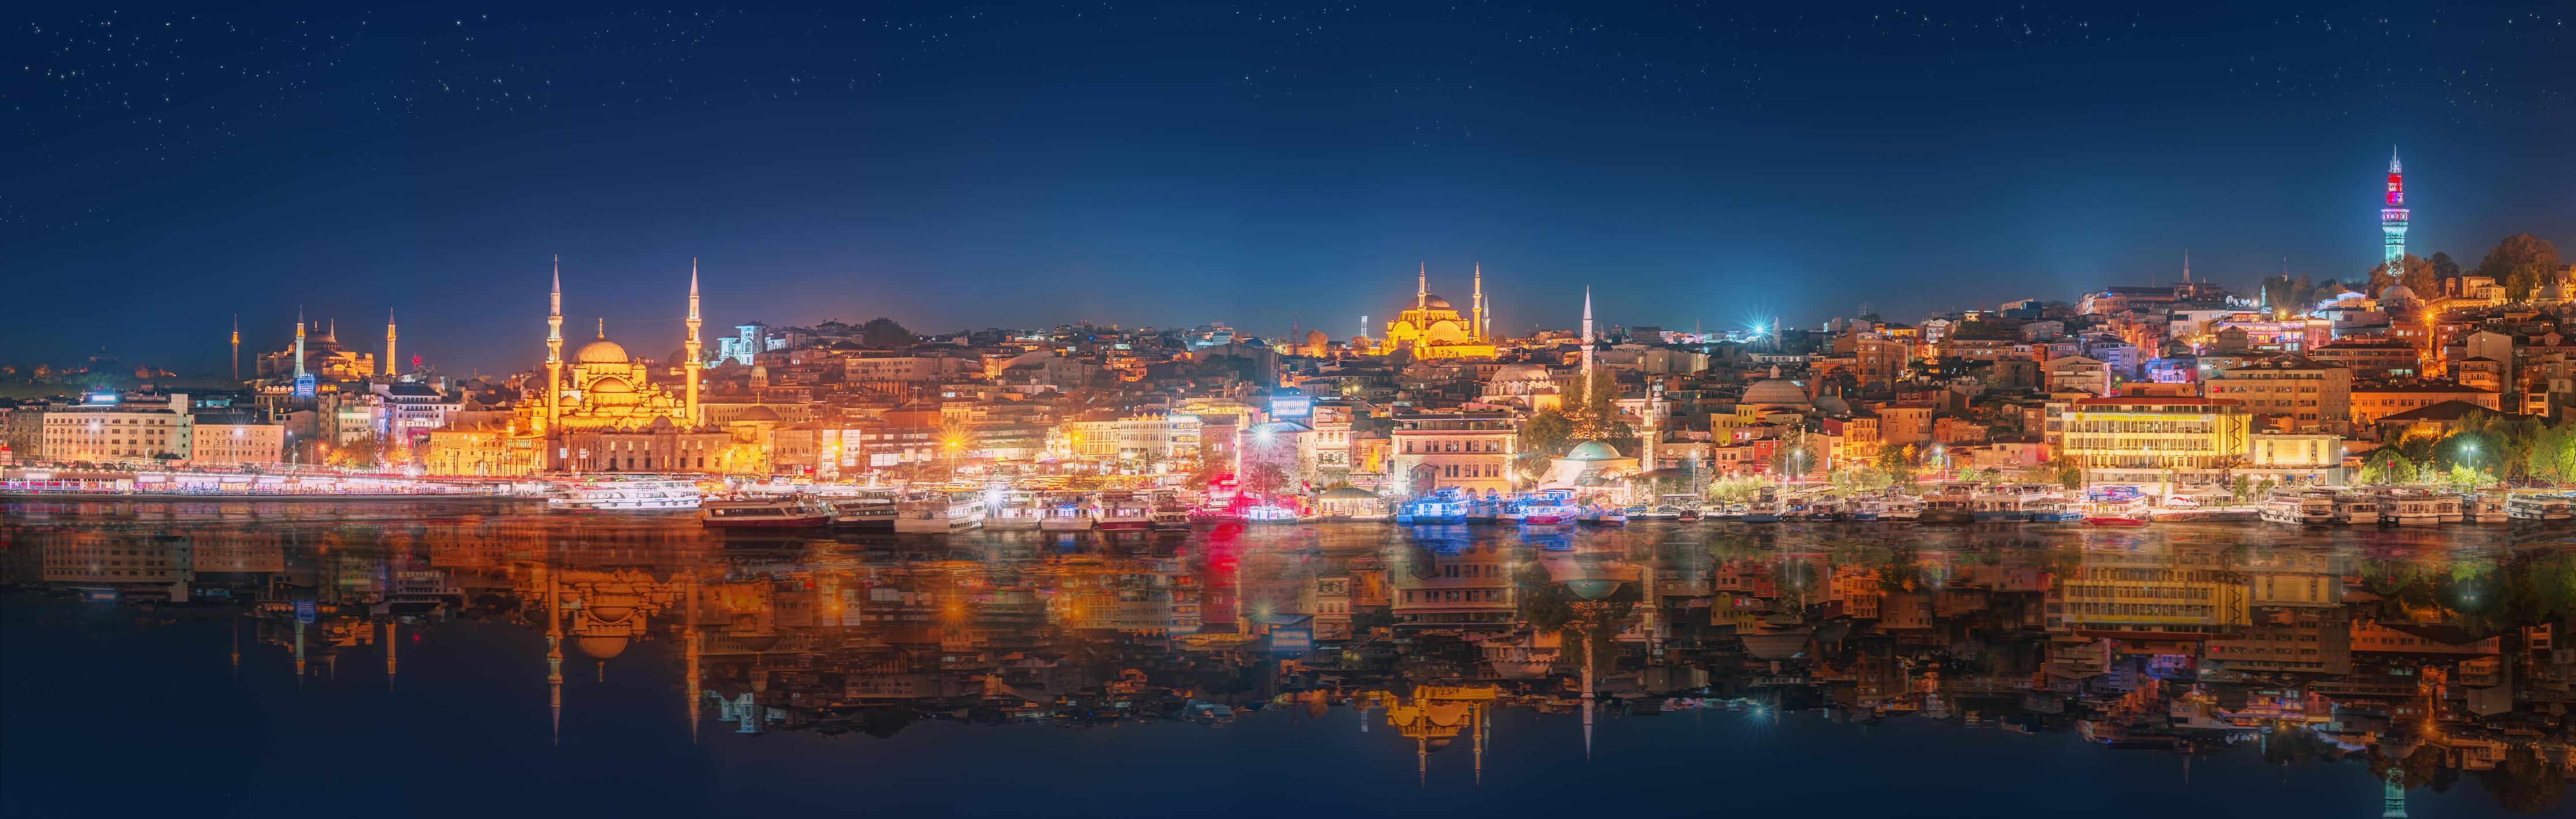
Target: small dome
{"x":2396,"y":292}
{"x":600,"y":647}
{"x":1592,"y":451}
{"x":611,"y":386}
{"x":1521,"y":371}
{"x":602,"y":351}
{"x":758,"y":414}
{"x":1776,"y":391}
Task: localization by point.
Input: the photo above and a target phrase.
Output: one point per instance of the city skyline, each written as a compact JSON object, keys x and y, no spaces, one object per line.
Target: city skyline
{"x":978,"y":172}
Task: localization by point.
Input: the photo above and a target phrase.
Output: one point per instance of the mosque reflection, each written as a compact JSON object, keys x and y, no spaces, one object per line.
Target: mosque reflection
{"x":2430,"y":653}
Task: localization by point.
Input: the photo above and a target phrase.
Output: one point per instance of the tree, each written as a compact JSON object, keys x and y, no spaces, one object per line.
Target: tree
{"x":2069,"y":472}
{"x":2242,"y":488}
{"x":2444,"y":268}
{"x":1897,"y":463}
{"x":2386,"y":466}
{"x":884,"y":333}
{"x":2417,"y":275}
{"x":1547,"y":432}
{"x":2524,"y":782}
{"x":2523,"y":263}
{"x":1797,"y":455}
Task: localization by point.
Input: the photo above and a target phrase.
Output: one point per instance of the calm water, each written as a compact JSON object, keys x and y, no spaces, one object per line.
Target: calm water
{"x":478,"y":658}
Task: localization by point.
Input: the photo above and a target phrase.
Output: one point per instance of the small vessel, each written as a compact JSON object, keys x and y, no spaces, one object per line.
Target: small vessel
{"x":1271,"y":513}
{"x":1126,"y":513}
{"x":1443,"y":506}
{"x":1170,"y":511}
{"x":626,"y":495}
{"x":2538,"y":506}
{"x":1604,"y":516}
{"x":1068,"y":513}
{"x":1015,"y":511}
{"x":2299,"y":507}
{"x":865,"y":510}
{"x":2355,"y":507}
{"x":1546,"y":513}
{"x":791,"y":512}
{"x":1996,"y":507}
{"x":939,"y":512}
{"x":1899,"y":509}
{"x":1949,"y":507}
{"x":2484,"y":508}
{"x":2410,"y":508}
{"x":2053,"y":511}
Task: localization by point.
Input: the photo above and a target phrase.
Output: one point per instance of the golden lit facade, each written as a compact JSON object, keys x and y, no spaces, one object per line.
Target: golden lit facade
{"x":1433,"y":328}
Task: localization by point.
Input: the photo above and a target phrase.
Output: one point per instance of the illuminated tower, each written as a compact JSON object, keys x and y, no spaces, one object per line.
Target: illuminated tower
{"x":554,"y":356}
{"x":236,"y":346}
{"x":2392,"y":798}
{"x":2392,"y":218}
{"x":689,"y":349}
{"x":1587,"y":343}
{"x":1477,"y":332}
{"x":299,"y":342}
{"x":389,"y":345}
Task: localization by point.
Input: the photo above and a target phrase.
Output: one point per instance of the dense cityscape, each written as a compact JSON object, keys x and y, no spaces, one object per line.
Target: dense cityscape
{"x":960,"y":407}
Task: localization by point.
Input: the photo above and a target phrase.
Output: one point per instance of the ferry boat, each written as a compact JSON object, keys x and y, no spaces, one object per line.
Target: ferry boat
{"x":2450,"y":508}
{"x":1126,"y":513}
{"x":2406,"y":508}
{"x":866,"y":510}
{"x":1170,"y":511}
{"x":1996,"y":507}
{"x":1015,"y":511}
{"x":1546,"y":512}
{"x":1272,"y":513}
{"x":1948,"y":507}
{"x":1445,"y":506}
{"x":2537,"y":506}
{"x":2299,"y":507}
{"x":765,"y":513}
{"x":2053,"y":511}
{"x":1893,"y":510}
{"x":2484,"y":508}
{"x":2355,"y":507}
{"x":939,"y":512}
{"x":626,"y":495}
{"x":1068,"y":513}
{"x":1603,"y":516}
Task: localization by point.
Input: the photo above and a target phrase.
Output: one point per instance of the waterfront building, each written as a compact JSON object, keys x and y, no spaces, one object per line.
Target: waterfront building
{"x":2143,"y":440}
{"x":2288,"y":393}
{"x":1460,"y":587}
{"x":107,"y":429}
{"x":2371,"y":402}
{"x":1472,"y":451}
{"x":235,"y":439}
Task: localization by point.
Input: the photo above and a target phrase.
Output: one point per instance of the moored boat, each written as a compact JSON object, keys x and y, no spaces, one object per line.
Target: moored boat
{"x":866,"y":510}
{"x":792,"y":512}
{"x":939,"y":512}
{"x":626,"y":495}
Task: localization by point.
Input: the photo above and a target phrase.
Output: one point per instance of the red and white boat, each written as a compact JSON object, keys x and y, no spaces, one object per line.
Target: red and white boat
{"x":1546,"y":515}
{"x":766,"y":513}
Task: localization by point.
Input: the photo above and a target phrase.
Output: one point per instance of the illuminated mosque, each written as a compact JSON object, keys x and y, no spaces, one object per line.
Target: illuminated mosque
{"x":1433,"y":328}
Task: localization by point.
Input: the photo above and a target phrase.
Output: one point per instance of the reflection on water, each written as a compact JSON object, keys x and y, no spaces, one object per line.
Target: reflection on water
{"x":2434,"y":658}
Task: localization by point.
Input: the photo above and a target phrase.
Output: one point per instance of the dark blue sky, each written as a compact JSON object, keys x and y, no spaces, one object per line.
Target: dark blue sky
{"x":960,"y":165}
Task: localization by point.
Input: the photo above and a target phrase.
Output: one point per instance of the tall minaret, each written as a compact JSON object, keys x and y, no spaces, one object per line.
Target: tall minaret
{"x":1479,"y":299}
{"x":554,"y":655}
{"x":689,"y":349}
{"x":1422,"y":287}
{"x":2392,"y":218}
{"x":389,"y":345}
{"x":1587,"y":344}
{"x":236,"y":346}
{"x":299,"y":342}
{"x":554,"y":360}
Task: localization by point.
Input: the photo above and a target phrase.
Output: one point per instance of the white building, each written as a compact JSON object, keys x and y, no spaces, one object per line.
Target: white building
{"x":103,"y":429}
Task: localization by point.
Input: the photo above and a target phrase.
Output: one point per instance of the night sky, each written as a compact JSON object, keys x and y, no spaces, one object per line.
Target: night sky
{"x":956,"y":165}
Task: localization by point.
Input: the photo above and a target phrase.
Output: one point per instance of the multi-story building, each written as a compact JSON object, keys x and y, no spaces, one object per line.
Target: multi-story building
{"x":2189,"y":594}
{"x":235,"y":439}
{"x":2143,"y":440}
{"x":1467,"y":450}
{"x":1467,"y":587}
{"x":2372,"y":359}
{"x":2288,"y":393}
{"x":2371,"y":402}
{"x":107,"y":430}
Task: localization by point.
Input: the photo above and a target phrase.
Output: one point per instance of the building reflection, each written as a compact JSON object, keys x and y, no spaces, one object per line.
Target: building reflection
{"x":2432,"y":657}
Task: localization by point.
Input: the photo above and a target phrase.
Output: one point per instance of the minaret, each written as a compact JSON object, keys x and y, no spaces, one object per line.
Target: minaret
{"x":236,"y":346}
{"x":554,"y":654}
{"x":1479,"y":304}
{"x":2392,"y":218}
{"x":299,"y":342}
{"x":689,"y":349}
{"x":2392,"y":799}
{"x":392,"y":638}
{"x":389,"y":345}
{"x":1587,"y":345}
{"x":554,"y":362}
{"x":1422,"y":287}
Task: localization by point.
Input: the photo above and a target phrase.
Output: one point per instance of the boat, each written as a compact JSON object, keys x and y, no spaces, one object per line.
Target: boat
{"x":1170,"y":511}
{"x":1126,"y":513}
{"x":866,"y":510}
{"x":2053,"y":511}
{"x":1665,"y":512}
{"x":1604,"y":516}
{"x":1015,"y":511}
{"x":1271,"y":513}
{"x":2299,"y":507}
{"x":2410,"y":508}
{"x":792,"y":512}
{"x":626,"y":495}
{"x":2538,"y":506}
{"x":2115,"y":519}
{"x":1899,"y":509}
{"x":2355,"y":507}
{"x":1759,"y":517}
{"x":1948,"y":507}
{"x":2484,"y":507}
{"x":1068,"y":513}
{"x":1996,"y":507}
{"x":939,"y":512}
{"x":1546,"y":513}
{"x":1443,"y":506}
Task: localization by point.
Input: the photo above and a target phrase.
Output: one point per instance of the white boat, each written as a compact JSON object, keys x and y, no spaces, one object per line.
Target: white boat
{"x":2484,"y":508}
{"x":2355,"y":507}
{"x":1171,"y":511}
{"x":1126,"y":512}
{"x":765,"y":513}
{"x":2535,"y":506}
{"x":934,"y":512}
{"x":865,"y":510}
{"x":1016,"y":512}
{"x":1271,"y":513}
{"x":2299,"y":507}
{"x":627,"y":495}
{"x":1897,"y":510}
{"x":1068,"y":513}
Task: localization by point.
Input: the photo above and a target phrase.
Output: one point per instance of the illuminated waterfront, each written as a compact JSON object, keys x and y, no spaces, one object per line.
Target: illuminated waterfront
{"x":700,"y":674}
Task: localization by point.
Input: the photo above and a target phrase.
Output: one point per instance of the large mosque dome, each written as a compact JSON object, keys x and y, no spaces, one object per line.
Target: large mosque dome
{"x":2396,"y":293}
{"x":1776,"y":391}
{"x":602,"y":351}
{"x":1435,"y":303}
{"x":1592,"y":451}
